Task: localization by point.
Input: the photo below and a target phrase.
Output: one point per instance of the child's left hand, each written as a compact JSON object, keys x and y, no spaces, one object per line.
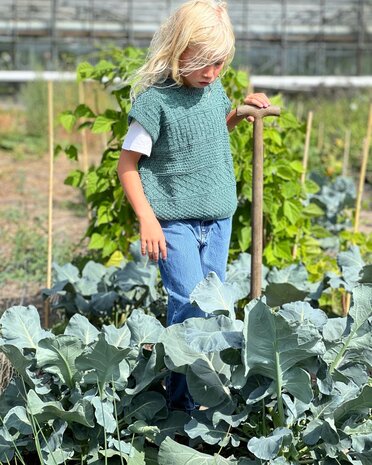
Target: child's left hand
{"x":259,"y":100}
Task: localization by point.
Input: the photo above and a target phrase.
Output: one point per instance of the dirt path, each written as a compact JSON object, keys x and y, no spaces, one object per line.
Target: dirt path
{"x":24,"y":204}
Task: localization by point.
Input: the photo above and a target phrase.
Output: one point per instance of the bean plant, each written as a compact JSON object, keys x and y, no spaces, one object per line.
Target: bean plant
{"x":288,"y":215}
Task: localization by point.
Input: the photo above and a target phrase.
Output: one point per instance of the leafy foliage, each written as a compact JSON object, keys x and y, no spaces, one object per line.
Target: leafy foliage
{"x":113,"y":226}
{"x":287,"y":213}
{"x":110,"y":294}
{"x":334,"y":198}
{"x":285,"y":386}
{"x":107,"y":294}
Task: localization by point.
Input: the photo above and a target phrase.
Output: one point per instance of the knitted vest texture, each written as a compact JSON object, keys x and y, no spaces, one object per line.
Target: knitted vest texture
{"x":190,"y":171}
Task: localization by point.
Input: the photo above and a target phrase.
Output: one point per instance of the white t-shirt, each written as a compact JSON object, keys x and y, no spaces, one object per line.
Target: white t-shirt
{"x":138,"y":139}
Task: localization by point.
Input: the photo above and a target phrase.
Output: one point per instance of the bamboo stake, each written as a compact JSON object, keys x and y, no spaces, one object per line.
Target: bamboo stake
{"x":345,"y":162}
{"x":304,"y":166}
{"x":50,"y":196}
{"x":363,"y":170}
{"x":85,"y":161}
{"x":307,"y":145}
{"x":362,"y":176}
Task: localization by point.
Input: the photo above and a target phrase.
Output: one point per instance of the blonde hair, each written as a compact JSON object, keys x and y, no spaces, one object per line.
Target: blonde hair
{"x":203,"y":26}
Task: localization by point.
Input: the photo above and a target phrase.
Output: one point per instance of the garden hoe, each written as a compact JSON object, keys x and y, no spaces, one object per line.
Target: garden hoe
{"x":257,"y":191}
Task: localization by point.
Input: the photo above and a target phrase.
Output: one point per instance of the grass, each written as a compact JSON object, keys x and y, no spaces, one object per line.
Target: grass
{"x":23,"y":257}
{"x":24,"y":117}
{"x":23,"y":145}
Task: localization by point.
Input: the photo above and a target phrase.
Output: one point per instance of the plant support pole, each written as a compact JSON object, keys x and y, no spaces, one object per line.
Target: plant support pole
{"x":363,"y":169}
{"x":50,"y":196}
{"x":257,"y":191}
{"x":307,"y":146}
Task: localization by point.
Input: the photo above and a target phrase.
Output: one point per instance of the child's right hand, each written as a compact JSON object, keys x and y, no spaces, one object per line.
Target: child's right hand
{"x":152,"y":239}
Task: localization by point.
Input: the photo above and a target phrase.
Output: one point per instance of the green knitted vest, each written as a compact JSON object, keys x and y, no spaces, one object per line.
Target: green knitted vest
{"x":190,"y":171}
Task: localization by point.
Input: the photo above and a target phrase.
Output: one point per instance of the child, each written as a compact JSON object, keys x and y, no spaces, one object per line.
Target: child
{"x":176,"y":167}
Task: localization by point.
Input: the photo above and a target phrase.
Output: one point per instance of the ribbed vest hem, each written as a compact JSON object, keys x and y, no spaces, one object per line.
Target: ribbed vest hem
{"x":202,"y":208}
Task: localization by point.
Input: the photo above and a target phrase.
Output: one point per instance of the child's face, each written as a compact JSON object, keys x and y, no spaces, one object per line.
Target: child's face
{"x":201,"y":77}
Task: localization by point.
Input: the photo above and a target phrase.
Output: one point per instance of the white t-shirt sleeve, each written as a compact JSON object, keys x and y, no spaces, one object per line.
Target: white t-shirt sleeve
{"x":137,"y":139}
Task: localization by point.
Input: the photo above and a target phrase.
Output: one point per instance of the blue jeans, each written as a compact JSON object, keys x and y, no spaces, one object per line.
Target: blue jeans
{"x":194,"y":248}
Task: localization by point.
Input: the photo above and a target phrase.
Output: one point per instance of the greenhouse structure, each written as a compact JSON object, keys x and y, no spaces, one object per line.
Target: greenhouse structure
{"x":282,"y":37}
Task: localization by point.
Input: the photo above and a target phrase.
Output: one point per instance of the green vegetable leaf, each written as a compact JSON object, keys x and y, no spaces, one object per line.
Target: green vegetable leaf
{"x":104,"y":414}
{"x":320,"y":430}
{"x":212,"y":295}
{"x":81,"y":328}
{"x":17,"y":420}
{"x":267,"y":448}
{"x":169,"y":427}
{"x":292,"y":210}
{"x":103,"y":361}
{"x":278,"y":294}
{"x":145,"y":406}
{"x":272,"y":348}
{"x":83,"y":110}
{"x":81,"y":412}
{"x":68,"y":120}
{"x":144,"y":329}
{"x":360,"y":311}
{"x":117,"y":337}
{"x":58,"y":356}
{"x":84,"y":70}
{"x":20,"y":327}
{"x":172,"y":453}
{"x":102,"y":124}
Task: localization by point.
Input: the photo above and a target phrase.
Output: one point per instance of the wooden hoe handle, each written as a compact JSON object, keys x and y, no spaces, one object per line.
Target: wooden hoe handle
{"x":257,"y":191}
{"x":250,"y":110}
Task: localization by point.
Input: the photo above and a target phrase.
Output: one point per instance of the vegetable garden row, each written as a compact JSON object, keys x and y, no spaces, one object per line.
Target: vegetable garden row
{"x":285,"y":379}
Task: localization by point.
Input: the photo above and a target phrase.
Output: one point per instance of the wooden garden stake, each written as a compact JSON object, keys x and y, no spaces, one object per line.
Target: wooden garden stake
{"x":307,"y":145}
{"x":304,"y":166}
{"x":50,"y":196}
{"x":363,"y":169}
{"x":257,"y":191}
{"x":345,"y":161}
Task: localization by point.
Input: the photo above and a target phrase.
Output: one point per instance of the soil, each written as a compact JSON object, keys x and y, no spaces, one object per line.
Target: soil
{"x":25,"y":187}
